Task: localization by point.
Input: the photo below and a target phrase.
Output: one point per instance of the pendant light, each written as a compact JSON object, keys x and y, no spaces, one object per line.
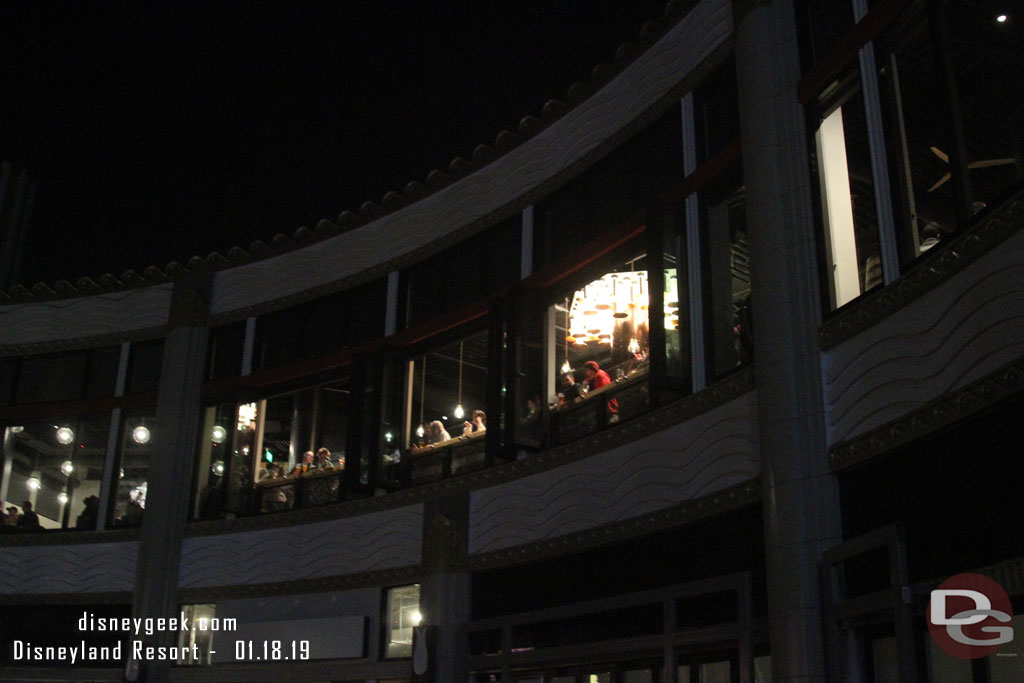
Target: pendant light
{"x":459,"y":412}
{"x":420,"y":431}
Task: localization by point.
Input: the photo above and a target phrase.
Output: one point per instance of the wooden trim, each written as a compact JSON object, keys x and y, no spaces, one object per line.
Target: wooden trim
{"x":89,"y":406}
{"x":846,"y":48}
{"x":704,"y":174}
{"x":559,"y":270}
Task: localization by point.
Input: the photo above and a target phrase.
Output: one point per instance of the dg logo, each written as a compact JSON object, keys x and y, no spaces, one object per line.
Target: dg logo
{"x":969,"y":616}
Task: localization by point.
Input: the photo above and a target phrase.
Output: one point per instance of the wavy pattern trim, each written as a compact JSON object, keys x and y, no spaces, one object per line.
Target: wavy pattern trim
{"x":350,"y":545}
{"x":952,"y":336}
{"x":710,"y":453}
{"x":85,"y":317}
{"x":79,"y":568}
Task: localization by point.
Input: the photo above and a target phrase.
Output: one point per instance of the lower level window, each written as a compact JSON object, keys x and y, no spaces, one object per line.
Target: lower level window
{"x":403,"y":614}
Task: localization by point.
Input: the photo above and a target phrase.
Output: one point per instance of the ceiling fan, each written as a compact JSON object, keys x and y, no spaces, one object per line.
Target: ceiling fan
{"x":974,"y":164}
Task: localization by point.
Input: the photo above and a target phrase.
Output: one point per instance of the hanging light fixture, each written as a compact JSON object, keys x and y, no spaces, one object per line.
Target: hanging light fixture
{"x":65,"y":435}
{"x":566,"y":368}
{"x":33,"y":483}
{"x":218,"y":434}
{"x":459,"y":412}
{"x":420,"y":431}
{"x":67,"y":468}
{"x":140,"y":434}
{"x":62,"y":498}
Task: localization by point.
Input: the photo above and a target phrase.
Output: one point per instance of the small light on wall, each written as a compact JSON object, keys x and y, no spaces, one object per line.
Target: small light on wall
{"x":33,"y":483}
{"x":140,"y":434}
{"x":218,"y":434}
{"x":65,"y":435}
{"x":62,"y":498}
{"x":415,"y":618}
{"x":67,"y":468}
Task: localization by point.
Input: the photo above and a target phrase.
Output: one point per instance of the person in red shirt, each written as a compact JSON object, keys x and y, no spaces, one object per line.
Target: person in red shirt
{"x":595,"y":376}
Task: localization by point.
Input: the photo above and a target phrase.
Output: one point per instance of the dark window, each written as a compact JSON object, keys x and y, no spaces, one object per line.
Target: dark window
{"x":144,"y":366}
{"x":322,"y":326}
{"x":822,"y":23}
{"x":8,"y":380}
{"x":103,"y":366}
{"x":52,"y":378}
{"x":464,"y":273}
{"x":611,"y":191}
{"x":224,"y":352}
{"x":726,"y":260}
{"x":716,"y":111}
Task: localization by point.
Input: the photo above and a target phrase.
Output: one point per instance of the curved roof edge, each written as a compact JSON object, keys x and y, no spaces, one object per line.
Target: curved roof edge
{"x":529,"y":126}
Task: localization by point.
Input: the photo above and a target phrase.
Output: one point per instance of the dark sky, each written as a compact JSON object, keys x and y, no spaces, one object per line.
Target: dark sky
{"x":157,"y":131}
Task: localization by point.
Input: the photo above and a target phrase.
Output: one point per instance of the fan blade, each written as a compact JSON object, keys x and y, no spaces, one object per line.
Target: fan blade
{"x":939,"y":184}
{"x":991,"y":162}
{"x":940,"y":154}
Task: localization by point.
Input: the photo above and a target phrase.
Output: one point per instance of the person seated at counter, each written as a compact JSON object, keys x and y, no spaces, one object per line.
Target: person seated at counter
{"x":324,"y":460}
{"x":308,"y":463}
{"x":477,"y":423}
{"x":597,"y":378}
{"x":569,"y":391}
{"x":436,"y":433}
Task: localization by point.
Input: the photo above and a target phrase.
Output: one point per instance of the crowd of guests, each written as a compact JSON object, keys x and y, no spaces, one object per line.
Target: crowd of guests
{"x":321,"y":460}
{"x":476,"y":424}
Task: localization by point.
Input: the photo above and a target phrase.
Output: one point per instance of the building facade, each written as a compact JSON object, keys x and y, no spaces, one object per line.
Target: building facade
{"x":710,"y":373}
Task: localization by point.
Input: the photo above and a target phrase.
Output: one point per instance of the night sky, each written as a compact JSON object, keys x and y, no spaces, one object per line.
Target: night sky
{"x":158,"y":131}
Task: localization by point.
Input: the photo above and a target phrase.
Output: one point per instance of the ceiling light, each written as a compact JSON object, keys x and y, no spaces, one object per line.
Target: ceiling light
{"x":65,"y":435}
{"x":140,"y":434}
{"x":67,"y":468}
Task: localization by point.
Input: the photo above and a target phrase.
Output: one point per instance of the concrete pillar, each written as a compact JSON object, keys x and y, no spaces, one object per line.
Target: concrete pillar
{"x":445,"y":591}
{"x":801,"y":512}
{"x":170,"y":471}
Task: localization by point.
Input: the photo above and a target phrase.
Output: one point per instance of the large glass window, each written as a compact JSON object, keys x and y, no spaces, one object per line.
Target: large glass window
{"x":402,"y":614}
{"x":848,"y":211}
{"x":598,"y":336}
{"x":729,"y":335}
{"x":215,"y":443}
{"x":135,"y":452}
{"x":53,"y":472}
{"x":278,"y":453}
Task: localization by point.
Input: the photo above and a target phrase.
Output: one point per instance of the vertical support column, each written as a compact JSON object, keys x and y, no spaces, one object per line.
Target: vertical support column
{"x":526,"y":248}
{"x":170,"y":473}
{"x":445,"y":591}
{"x":801,"y":513}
